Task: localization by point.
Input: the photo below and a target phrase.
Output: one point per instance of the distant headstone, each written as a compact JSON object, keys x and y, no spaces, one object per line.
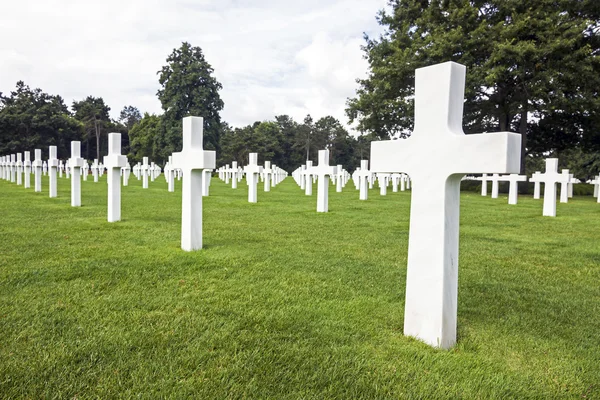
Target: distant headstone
{"x":570,"y":186}
{"x":145,"y":170}
{"x":234,"y":174}
{"x":536,"y":179}
{"x":383,"y":183}
{"x":76,"y":163}
{"x":513,"y":188}
{"x":37,"y":169}
{"x":95,"y":170}
{"x":27,"y":167}
{"x":484,"y":182}
{"x":308,"y":180}
{"x":126,"y":174}
{"x":363,"y":180}
{"x":53,"y":166}
{"x":267,"y":172}
{"x":45,"y":168}
{"x":192,"y":160}
{"x":114,"y":161}
{"x":19,"y":167}
{"x":323,"y":171}
{"x":252,"y":171}
{"x":564,"y":187}
{"x":206,"y":177}
{"x":550,"y":178}
{"x":436,"y":156}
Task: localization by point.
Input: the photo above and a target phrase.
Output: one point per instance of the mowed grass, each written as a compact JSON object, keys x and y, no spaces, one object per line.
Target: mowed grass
{"x":285,"y":303}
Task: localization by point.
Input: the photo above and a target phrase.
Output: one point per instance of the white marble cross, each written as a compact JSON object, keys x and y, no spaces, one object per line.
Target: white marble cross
{"x":170,"y":175}
{"x":76,"y":163}
{"x":95,"y":169}
{"x":19,"y":167}
{"x":126,"y":174}
{"x":145,"y":170}
{"x":308,"y":180}
{"x":267,"y":172}
{"x":495,"y":178}
{"x":363,"y":179}
{"x":53,"y":166}
{"x":252,"y":170}
{"x":513,"y":188}
{"x":340,"y":178}
{"x":564,"y":187}
{"x":27,"y":166}
{"x":596,"y":183}
{"x":68,"y":169}
{"x":206,"y":178}
{"x":484,"y":181}
{"x":569,"y":185}
{"x":13,"y":162}
{"x":61,"y":168}
{"x":323,"y":171}
{"x":436,"y":156}
{"x":192,"y":160}
{"x":234,"y":174}
{"x":114,"y":161}
{"x":550,"y":178}
{"x":536,"y":179}
{"x":45,"y":168}
{"x":37,"y":169}
{"x":383,"y":179}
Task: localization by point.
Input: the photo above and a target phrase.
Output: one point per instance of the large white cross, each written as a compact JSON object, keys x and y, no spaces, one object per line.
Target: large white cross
{"x":252,"y":170}
{"x":38,"y":167}
{"x":27,"y":167}
{"x":513,"y":187}
{"x":192,"y":160}
{"x":53,"y":165}
{"x":536,"y":179}
{"x":550,"y":178}
{"x":437,"y":156}
{"x":323,"y":171}
{"x":76,"y":163}
{"x":114,"y":161}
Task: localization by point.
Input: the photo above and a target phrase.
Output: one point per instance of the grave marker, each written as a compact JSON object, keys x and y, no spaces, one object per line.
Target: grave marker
{"x":114,"y":161}
{"x":252,"y":170}
{"x":76,"y":163}
{"x":53,"y":166}
{"x":432,"y":274}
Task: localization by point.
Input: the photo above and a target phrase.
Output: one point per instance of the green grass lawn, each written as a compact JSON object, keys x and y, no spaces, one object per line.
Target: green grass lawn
{"x":287,"y":303}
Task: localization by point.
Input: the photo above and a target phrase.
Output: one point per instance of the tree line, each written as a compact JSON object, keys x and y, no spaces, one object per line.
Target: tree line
{"x":532,"y":67}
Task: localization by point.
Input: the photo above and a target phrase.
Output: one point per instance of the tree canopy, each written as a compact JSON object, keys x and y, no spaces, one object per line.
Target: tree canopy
{"x":532,"y":67}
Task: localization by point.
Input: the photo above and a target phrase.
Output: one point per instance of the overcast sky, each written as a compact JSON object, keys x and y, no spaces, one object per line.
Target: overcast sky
{"x":272,"y":56}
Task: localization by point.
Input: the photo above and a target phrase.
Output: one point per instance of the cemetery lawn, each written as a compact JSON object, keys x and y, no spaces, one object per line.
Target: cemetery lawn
{"x":285,"y":303}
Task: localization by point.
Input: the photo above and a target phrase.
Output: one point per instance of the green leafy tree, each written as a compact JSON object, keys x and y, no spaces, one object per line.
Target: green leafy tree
{"x":189,"y":89}
{"x":94,"y":114}
{"x":533,"y":67}
{"x":144,"y":138}
{"x":130,"y":116}
{"x":30,"y":118}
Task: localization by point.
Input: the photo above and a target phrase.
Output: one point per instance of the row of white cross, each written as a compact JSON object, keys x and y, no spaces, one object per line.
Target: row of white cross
{"x":270,"y":175}
{"x":436,"y":157}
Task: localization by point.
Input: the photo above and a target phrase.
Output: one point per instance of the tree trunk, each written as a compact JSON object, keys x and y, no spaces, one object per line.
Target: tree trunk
{"x":97,"y":140}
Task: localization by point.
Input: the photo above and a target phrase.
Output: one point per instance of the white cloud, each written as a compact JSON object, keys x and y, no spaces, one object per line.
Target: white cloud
{"x":272,"y":57}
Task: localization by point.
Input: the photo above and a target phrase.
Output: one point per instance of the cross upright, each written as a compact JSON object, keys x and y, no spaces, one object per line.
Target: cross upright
{"x":340,"y":178}
{"x":170,"y":175}
{"x":76,"y":163}
{"x":27,"y":168}
{"x":95,"y":169}
{"x":432,"y":273}
{"x":144,"y":169}
{"x":550,"y":178}
{"x":19,"y":168}
{"x":596,"y":183}
{"x":513,"y":188}
{"x":114,"y":161}
{"x":227,"y":174}
{"x":308,"y":182}
{"x":495,"y":178}
{"x":564,"y":187}
{"x":2,"y":168}
{"x":234,"y":174}
{"x":126,"y":174}
{"x":537,"y":180}
{"x":192,"y":160}
{"x":363,"y":179}
{"x":37,"y":170}
{"x":68,"y":169}
{"x":252,"y":171}
{"x":383,"y":183}
{"x":323,"y":171}
{"x":53,"y":165}
{"x":484,"y":181}
{"x":13,"y":162}
{"x":267,"y":172}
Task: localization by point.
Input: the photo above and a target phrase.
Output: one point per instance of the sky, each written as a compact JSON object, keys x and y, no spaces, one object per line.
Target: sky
{"x":273,"y":57}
